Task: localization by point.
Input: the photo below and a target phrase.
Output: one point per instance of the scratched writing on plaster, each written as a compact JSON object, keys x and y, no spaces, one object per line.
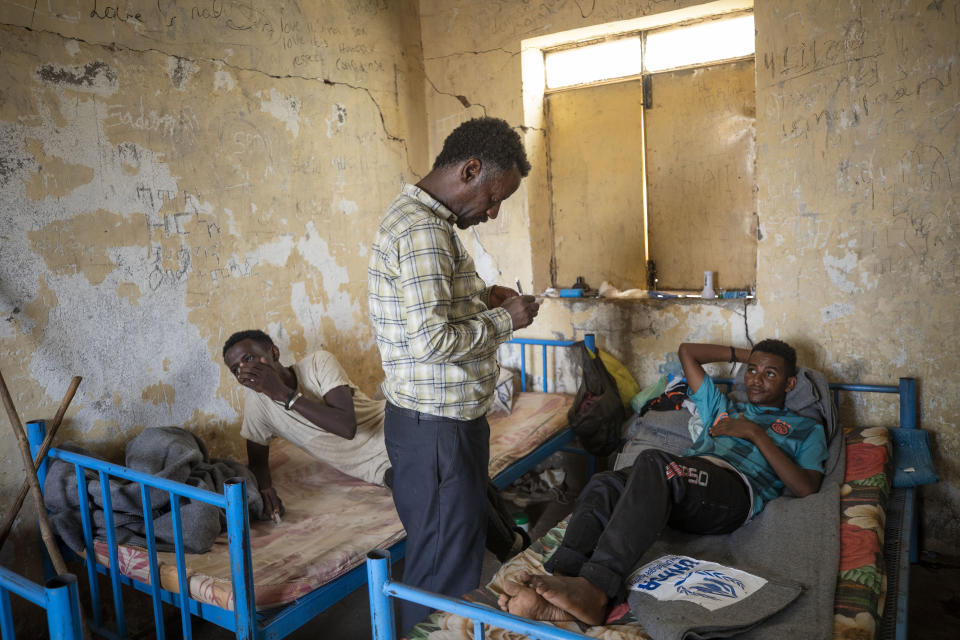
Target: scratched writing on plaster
{"x":168,"y":124}
{"x":176,"y":223}
{"x":509,"y":24}
{"x":796,"y":61}
{"x":115,"y":11}
{"x":154,"y":197}
{"x":212,"y":11}
{"x":171,"y":276}
{"x":171,"y":267}
{"x":359,"y":66}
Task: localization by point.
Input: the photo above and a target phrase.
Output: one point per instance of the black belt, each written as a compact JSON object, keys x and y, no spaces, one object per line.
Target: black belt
{"x":420,"y":416}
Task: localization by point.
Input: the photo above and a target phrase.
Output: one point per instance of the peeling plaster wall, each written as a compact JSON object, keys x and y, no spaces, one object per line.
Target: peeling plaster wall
{"x":858,"y":167}
{"x":172,"y":172}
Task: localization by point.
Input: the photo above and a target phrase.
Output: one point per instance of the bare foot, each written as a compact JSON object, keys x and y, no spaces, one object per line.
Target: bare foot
{"x":521,"y":600}
{"x":573,"y":595}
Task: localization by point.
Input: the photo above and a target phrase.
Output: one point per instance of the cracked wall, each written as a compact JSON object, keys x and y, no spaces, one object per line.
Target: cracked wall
{"x":173,"y":172}
{"x":858,"y":167}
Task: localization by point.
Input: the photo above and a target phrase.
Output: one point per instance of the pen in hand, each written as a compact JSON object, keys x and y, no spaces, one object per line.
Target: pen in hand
{"x":519,"y":288}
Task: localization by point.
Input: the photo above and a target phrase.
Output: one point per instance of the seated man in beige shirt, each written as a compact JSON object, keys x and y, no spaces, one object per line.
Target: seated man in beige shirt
{"x":316,"y":406}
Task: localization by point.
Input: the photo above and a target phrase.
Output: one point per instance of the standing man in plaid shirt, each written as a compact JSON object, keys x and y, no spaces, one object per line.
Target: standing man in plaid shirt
{"x":438,"y":326}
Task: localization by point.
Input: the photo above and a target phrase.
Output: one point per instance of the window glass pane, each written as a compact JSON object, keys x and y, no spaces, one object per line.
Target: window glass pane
{"x":595,"y":150}
{"x":699,"y":43}
{"x":595,"y":62}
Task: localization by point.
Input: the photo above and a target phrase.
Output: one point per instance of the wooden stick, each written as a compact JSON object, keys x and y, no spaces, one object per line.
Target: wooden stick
{"x":47,"y":442}
{"x":45,"y":531}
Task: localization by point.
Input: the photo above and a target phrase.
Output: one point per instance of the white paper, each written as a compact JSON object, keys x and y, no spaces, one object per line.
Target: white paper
{"x":707,"y":584}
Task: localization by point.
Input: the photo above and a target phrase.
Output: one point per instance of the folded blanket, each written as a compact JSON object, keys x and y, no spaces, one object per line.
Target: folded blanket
{"x":165,"y":452}
{"x":678,"y":597}
{"x":792,"y":541}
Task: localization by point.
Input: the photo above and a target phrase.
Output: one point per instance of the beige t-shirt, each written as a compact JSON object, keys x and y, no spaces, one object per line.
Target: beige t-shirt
{"x":364,"y":457}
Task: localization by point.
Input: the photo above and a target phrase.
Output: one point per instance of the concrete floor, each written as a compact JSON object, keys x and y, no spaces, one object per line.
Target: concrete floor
{"x":934,"y":598}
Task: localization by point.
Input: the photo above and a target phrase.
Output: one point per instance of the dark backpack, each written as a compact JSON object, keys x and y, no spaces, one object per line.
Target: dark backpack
{"x":597,"y":412}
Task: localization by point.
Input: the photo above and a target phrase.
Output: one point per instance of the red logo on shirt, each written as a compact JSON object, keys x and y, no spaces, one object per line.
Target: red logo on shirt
{"x":781,"y":427}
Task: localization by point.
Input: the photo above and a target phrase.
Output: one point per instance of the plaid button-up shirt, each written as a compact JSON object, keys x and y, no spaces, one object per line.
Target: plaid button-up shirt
{"x":436,"y":335}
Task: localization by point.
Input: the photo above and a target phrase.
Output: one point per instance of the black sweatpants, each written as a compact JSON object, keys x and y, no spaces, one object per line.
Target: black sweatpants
{"x":439,"y":489}
{"x":619,"y":514}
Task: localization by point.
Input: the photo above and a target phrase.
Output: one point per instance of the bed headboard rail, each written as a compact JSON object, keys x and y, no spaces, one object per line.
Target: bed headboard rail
{"x":906,"y":390}
{"x":588,"y":339}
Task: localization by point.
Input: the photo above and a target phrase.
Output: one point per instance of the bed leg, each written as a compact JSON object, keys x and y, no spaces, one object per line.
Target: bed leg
{"x":241,"y":566}
{"x":63,"y":608}
{"x":908,"y":420}
{"x":381,"y":607}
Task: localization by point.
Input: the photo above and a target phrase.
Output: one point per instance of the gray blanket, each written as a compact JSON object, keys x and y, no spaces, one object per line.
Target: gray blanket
{"x":794,"y":543}
{"x":165,"y":452}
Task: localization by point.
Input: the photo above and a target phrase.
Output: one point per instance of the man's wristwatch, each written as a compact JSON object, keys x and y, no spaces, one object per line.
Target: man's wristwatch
{"x":294,"y":396}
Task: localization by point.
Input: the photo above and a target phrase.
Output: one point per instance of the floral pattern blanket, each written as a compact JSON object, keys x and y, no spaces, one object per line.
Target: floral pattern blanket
{"x":861,"y":582}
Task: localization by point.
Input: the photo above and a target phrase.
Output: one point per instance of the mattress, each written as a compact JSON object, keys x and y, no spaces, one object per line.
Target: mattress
{"x":331,"y":520}
{"x":861,"y":582}
{"x":534,"y":419}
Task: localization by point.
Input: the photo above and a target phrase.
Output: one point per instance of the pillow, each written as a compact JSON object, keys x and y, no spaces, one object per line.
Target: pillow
{"x":666,"y":430}
{"x":505,"y":391}
{"x":676,"y":597}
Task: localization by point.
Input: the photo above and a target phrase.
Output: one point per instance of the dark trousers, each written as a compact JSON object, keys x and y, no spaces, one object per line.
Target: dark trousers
{"x":501,"y":531}
{"x":439,"y":489}
{"x":619,"y":514}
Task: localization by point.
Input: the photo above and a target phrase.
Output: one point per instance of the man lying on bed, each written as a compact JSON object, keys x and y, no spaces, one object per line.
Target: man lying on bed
{"x":314,"y":405}
{"x":745,"y":456}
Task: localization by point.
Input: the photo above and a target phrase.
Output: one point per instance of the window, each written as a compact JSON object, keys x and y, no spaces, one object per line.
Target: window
{"x":650,"y":147}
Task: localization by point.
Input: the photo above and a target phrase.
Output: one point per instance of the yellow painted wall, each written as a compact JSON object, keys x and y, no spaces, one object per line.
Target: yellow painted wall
{"x":858,"y":167}
{"x":173,"y":172}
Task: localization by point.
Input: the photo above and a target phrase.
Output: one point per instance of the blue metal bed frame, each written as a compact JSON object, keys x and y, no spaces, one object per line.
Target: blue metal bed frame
{"x":58,"y":597}
{"x":900,"y":535}
{"x":245,"y":621}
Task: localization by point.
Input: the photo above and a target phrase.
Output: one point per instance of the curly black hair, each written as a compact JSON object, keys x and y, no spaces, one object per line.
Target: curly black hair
{"x":782,"y":349}
{"x":490,"y":140}
{"x":250,"y":334}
